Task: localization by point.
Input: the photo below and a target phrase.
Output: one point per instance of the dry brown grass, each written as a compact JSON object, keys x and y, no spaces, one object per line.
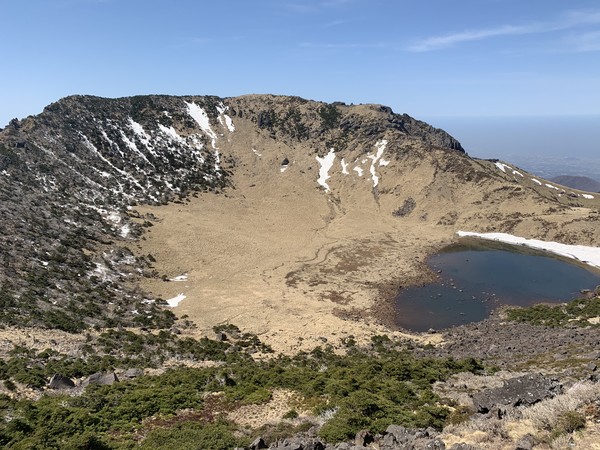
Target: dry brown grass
{"x":547,"y":414}
{"x":555,"y":423}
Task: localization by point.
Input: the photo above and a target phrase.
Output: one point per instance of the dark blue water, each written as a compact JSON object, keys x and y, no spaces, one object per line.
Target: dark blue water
{"x":477,"y":277}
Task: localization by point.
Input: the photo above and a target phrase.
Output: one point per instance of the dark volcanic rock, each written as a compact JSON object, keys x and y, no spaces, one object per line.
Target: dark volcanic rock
{"x":258,"y":444}
{"x":507,"y":343}
{"x":521,"y":391}
{"x":101,"y":378}
{"x":299,"y":443}
{"x":132,"y":373}
{"x":525,"y":443}
{"x":363,"y":438}
{"x":60,"y":382}
{"x":462,"y":446}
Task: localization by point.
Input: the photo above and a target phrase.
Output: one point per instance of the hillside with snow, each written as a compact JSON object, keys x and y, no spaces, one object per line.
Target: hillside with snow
{"x":79,"y":248}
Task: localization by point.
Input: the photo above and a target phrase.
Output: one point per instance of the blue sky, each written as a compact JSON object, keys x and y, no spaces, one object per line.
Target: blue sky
{"x":431,"y":59}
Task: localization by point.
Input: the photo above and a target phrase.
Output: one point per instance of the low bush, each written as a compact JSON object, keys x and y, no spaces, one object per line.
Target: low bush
{"x":364,"y":389}
{"x":576,"y":312}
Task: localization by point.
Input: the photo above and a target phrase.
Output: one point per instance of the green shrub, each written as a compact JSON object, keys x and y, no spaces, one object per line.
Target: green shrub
{"x":291,"y":414}
{"x":193,"y":436}
{"x":366,"y":389}
{"x":576,"y":312}
{"x":568,"y":422}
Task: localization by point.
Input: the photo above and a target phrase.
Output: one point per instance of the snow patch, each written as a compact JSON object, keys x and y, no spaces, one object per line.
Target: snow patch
{"x":173,"y":302}
{"x":380,"y":149}
{"x":359,"y":171}
{"x":344,"y":167}
{"x":536,"y":181}
{"x":102,"y":272}
{"x":228,"y":122}
{"x":134,"y":147}
{"x":588,"y":196}
{"x":114,"y":217}
{"x":256,"y":153}
{"x":585,"y":254}
{"x":552,"y":187}
{"x":201,"y":118}
{"x":125,"y":230}
{"x":217,"y":161}
{"x":502,"y":167}
{"x":109,"y":140}
{"x":139,"y":131}
{"x":171,"y":133}
{"x":516,"y":172}
{"x":383,"y":162}
{"x":325,"y":162}
{"x":93,"y":148}
{"x":183,"y":277}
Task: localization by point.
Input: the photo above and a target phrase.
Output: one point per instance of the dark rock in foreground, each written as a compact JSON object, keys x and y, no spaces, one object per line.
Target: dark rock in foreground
{"x":60,"y":382}
{"x":521,"y":391}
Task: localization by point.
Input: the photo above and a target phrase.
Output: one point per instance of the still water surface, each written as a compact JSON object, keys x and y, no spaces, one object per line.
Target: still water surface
{"x":478,"y":276}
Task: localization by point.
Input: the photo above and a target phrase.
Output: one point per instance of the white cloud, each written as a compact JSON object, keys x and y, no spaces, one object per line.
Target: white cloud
{"x":584,"y":42}
{"x":569,"y":20}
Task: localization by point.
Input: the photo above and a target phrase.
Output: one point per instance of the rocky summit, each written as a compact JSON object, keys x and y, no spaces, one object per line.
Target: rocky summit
{"x":134,"y":229}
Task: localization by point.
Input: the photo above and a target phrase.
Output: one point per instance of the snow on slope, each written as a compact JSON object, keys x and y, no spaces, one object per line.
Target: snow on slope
{"x":173,"y":302}
{"x":376,"y":157}
{"x":201,"y":118}
{"x":325,"y":164}
{"x":504,"y":167}
{"x":585,"y":254}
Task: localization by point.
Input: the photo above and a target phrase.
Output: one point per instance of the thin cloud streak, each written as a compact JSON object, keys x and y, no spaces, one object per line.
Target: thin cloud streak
{"x":585,"y":42}
{"x":304,"y":8}
{"x":571,"y":19}
{"x":342,"y":46}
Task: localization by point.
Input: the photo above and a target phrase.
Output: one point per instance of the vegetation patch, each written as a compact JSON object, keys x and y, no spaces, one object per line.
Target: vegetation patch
{"x":363,"y":389}
{"x":577,"y":313}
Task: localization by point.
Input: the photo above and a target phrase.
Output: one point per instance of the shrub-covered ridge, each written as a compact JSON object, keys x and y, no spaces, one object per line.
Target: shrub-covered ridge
{"x":363,"y":389}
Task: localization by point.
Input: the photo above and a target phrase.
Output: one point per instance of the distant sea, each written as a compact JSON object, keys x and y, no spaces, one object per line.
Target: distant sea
{"x":545,"y":146}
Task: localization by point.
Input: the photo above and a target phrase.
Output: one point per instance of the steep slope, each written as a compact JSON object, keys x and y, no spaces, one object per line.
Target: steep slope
{"x":321,"y":209}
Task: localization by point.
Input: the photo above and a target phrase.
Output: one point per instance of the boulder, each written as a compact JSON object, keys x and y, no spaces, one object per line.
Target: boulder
{"x":134,"y":372}
{"x":258,"y":444}
{"x":59,"y":381}
{"x":436,"y":444}
{"x":525,"y":390}
{"x":396,"y":435}
{"x":462,"y":446}
{"x":101,"y":378}
{"x":363,"y":438}
{"x":525,"y":443}
{"x":298,"y":443}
